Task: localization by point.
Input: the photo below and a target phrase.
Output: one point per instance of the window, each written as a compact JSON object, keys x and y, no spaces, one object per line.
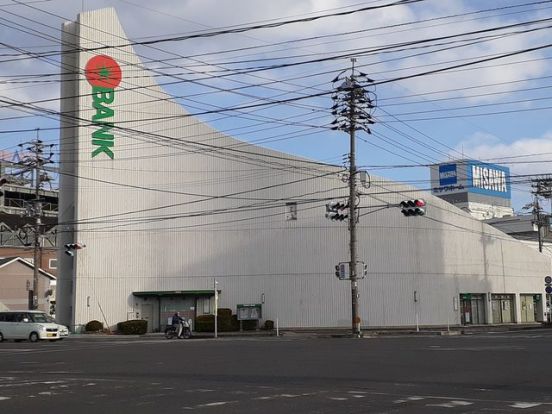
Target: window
{"x":52,"y":263}
{"x":8,"y":317}
{"x":206,"y":306}
{"x":39,"y":317}
{"x":20,"y":316}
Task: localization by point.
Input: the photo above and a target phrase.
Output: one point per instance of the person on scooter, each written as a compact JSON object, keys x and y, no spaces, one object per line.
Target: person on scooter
{"x":178,"y":323}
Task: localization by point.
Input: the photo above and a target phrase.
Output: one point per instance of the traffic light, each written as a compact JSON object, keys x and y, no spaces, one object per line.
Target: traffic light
{"x":548,"y":284}
{"x":335,"y":210}
{"x":71,"y":247}
{"x":413,"y":207}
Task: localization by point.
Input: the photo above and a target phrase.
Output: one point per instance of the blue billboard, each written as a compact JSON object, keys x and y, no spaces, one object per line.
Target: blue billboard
{"x":447,"y":174}
{"x":488,"y":179}
{"x":471,"y":176}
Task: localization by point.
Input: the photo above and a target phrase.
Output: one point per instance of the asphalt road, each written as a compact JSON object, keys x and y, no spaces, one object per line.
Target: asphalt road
{"x":502,"y":373}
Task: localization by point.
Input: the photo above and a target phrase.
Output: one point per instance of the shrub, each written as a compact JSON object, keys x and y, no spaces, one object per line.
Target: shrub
{"x":249,"y":325}
{"x":226,"y":322}
{"x":134,"y":327}
{"x":224,"y":312}
{"x":235,"y":323}
{"x":93,"y":326}
{"x":268,"y":325}
{"x":205,"y":323}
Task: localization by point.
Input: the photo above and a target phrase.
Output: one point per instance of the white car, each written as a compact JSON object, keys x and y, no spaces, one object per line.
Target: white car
{"x":31,"y":325}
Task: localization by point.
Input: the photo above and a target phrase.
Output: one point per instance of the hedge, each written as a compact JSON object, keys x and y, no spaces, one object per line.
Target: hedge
{"x":225,"y":323}
{"x":93,"y":326}
{"x":268,"y":325}
{"x":133,"y":327}
{"x":248,"y":325}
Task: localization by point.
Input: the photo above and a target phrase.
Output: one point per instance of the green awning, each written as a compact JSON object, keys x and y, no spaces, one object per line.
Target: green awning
{"x":164,"y":293}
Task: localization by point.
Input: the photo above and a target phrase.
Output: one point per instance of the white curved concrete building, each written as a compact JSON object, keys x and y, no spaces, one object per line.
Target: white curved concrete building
{"x":166,"y":205}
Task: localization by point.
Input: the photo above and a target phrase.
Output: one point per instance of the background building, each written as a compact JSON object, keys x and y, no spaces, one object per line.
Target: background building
{"x":17,"y":233}
{"x":481,"y":189}
{"x":16,"y":279}
{"x":171,"y":210}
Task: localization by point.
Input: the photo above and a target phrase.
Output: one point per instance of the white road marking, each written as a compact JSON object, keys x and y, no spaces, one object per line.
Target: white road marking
{"x":216,"y":404}
{"x":525,"y":405}
{"x":338,"y":398}
{"x":200,"y":390}
{"x":450,"y":404}
{"x":4,"y":398}
{"x":19,"y":384}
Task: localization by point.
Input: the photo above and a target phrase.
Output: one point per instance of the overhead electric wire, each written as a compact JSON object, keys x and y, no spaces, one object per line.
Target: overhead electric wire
{"x":377,"y":28}
{"x":243,"y":29}
{"x":414,"y":22}
{"x":278,"y":102}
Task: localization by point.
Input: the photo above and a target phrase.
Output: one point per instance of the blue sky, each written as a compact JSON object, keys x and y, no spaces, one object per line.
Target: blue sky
{"x":495,"y":110}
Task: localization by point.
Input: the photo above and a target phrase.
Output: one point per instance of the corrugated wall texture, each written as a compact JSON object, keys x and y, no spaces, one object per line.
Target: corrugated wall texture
{"x":178,"y":206}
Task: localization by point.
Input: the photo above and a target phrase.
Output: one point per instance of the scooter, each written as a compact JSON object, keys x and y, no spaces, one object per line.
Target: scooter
{"x":171,"y":331}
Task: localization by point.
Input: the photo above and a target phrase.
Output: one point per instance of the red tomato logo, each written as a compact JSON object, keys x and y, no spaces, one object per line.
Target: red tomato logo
{"x":103,"y":71}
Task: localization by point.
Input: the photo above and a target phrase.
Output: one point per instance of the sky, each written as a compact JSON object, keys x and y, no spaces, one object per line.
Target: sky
{"x":453,"y":79}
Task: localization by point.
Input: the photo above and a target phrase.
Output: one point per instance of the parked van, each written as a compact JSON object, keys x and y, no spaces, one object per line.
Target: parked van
{"x":31,"y":325}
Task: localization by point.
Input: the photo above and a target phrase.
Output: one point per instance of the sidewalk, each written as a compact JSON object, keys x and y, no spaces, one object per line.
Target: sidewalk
{"x":337,"y":332}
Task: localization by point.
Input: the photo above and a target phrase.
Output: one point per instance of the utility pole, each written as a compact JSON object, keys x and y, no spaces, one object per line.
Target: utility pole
{"x":353,"y":111}
{"x":34,"y":160}
{"x":541,"y":187}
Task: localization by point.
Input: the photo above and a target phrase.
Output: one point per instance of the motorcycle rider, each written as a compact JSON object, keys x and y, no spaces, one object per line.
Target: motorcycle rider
{"x":178,"y":323}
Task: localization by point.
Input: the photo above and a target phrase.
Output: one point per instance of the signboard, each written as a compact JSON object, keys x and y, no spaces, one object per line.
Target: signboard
{"x":103,"y":73}
{"x":470,"y":176}
{"x":249,"y":312}
{"x":489,"y":179}
{"x":447,"y":174}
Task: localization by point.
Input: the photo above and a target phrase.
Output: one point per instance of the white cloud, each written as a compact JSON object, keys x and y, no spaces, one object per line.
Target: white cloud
{"x":523,"y":156}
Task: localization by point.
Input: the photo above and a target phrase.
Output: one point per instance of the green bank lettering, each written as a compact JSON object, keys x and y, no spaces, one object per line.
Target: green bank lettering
{"x":103,"y":139}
